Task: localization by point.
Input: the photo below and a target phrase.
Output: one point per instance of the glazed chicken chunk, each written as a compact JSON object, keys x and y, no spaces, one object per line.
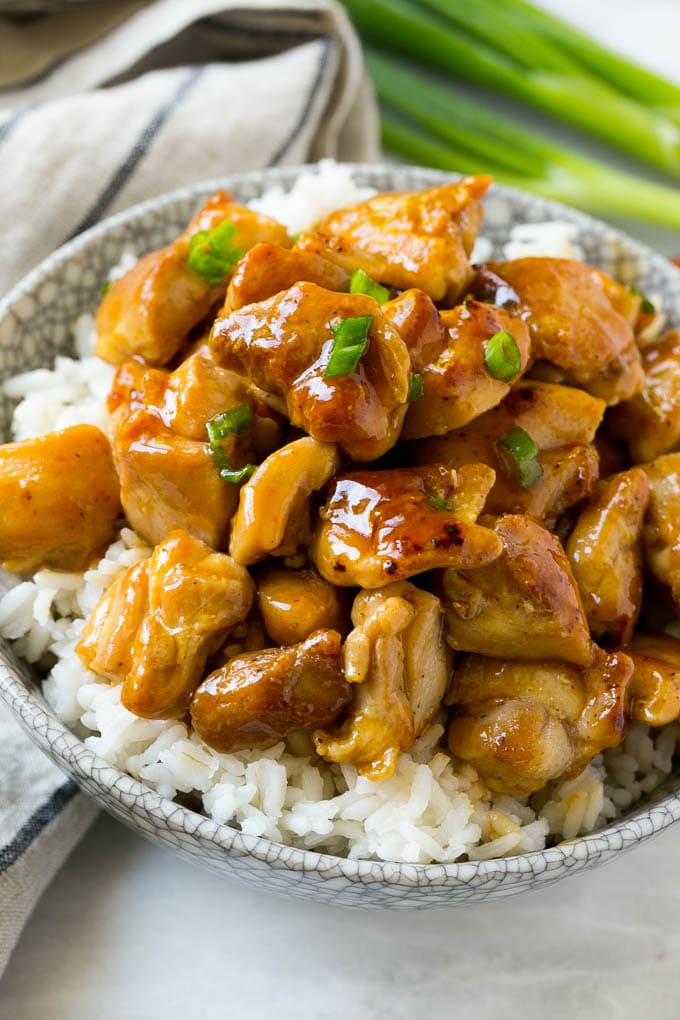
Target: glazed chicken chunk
{"x":168,"y":472}
{"x":169,"y":482}
{"x":605,"y":552}
{"x":655,"y":688}
{"x":274,"y":515}
{"x":458,"y":385}
{"x":187,"y":399}
{"x":150,"y":311}
{"x":268,"y":269}
{"x":524,"y":605}
{"x":155,"y":627}
{"x":382,"y":526}
{"x":575,"y":326}
{"x":58,"y":500}
{"x":650,"y":421}
{"x":405,"y":239}
{"x":561,"y":421}
{"x":260,"y":697}
{"x":295,"y":603}
{"x":661,"y":532}
{"x":396,"y":660}
{"x":522,"y":724}
{"x":292,"y":346}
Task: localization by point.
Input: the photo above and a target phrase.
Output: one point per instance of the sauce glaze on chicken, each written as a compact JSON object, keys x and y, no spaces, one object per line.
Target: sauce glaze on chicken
{"x":380,"y":484}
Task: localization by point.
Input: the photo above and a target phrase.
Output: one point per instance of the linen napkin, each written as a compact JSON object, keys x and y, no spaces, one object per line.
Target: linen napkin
{"x":103,"y":104}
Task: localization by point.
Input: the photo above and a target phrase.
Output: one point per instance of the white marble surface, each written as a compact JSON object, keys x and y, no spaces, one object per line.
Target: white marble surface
{"x":129,"y":932}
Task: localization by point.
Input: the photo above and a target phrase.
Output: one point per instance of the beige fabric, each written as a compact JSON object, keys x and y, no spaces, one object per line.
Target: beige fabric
{"x":178,"y":91}
{"x":103,"y":105}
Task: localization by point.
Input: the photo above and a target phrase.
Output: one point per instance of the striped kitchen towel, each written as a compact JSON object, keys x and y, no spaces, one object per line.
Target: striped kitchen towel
{"x":103,"y":104}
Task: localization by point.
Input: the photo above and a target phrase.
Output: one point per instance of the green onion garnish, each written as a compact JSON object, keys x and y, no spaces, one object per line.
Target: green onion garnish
{"x":230,"y":423}
{"x":437,"y":503}
{"x":211,"y":254}
{"x":416,"y":388}
{"x":351,"y":337}
{"x":361,"y":283}
{"x":502,"y":356}
{"x":518,"y":454}
{"x":106,"y":287}
{"x":646,"y":305}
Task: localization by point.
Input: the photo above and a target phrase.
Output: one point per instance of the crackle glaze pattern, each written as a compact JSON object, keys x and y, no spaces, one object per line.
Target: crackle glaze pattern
{"x":35,"y":324}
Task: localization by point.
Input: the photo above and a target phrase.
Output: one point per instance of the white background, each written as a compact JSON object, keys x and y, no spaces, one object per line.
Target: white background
{"x":130,"y":932}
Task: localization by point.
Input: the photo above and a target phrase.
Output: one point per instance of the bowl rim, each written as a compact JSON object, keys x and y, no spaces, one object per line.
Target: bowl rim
{"x":71,"y":754}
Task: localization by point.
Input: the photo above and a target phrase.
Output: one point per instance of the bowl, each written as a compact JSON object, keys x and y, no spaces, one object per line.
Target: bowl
{"x":35,"y":324}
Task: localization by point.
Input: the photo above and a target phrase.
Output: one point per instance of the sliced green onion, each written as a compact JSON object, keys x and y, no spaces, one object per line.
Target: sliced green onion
{"x":518,"y":454}
{"x":437,"y":503}
{"x":502,"y":356}
{"x":646,"y":305}
{"x":230,"y":423}
{"x":416,"y":388}
{"x":106,"y":287}
{"x":351,"y":337}
{"x":211,"y":254}
{"x":361,"y":283}
{"x":224,"y":469}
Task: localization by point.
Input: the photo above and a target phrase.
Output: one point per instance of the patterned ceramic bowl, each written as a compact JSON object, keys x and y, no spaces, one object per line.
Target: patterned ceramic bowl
{"x":35,"y":324}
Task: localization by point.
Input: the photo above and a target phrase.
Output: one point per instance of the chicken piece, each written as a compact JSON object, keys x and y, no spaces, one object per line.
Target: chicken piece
{"x":457,"y":385}
{"x":284,"y":345}
{"x":186,"y":399}
{"x":168,"y":482}
{"x":382,"y":526}
{"x":650,"y":421}
{"x":295,"y":603}
{"x":654,"y":696}
{"x":58,"y":500}
{"x":420,"y":325}
{"x":661,"y":532}
{"x":134,"y":386}
{"x":561,"y":420}
{"x":268,"y":269}
{"x":523,"y":724}
{"x":274,"y":515}
{"x":427,"y":658}
{"x":107,"y":644}
{"x":150,"y":311}
{"x":407,"y":239}
{"x":159,"y":621}
{"x":260,"y":697}
{"x":524,"y":605}
{"x":381,"y":723}
{"x":194,"y":596}
{"x":246,"y":636}
{"x":605,"y":553}
{"x":574,"y":325}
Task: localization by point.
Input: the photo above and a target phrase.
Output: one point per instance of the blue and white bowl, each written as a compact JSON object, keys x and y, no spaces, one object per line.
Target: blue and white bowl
{"x":36,"y":321}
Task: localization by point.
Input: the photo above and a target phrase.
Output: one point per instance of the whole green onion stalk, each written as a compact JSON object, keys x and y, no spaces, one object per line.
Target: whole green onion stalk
{"x":432,"y":123}
{"x":507,"y":46}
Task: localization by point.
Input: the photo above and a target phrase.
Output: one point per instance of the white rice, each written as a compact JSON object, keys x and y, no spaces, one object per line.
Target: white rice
{"x":433,"y":809}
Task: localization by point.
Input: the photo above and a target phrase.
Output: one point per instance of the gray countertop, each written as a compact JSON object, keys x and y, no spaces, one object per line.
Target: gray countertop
{"x":130,"y":932}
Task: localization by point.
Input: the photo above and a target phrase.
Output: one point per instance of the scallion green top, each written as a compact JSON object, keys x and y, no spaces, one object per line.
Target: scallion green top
{"x":211,"y":254}
{"x":351,"y":338}
{"x":361,"y":283}
{"x":502,"y":356}
{"x":230,"y":423}
{"x":518,"y":454}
